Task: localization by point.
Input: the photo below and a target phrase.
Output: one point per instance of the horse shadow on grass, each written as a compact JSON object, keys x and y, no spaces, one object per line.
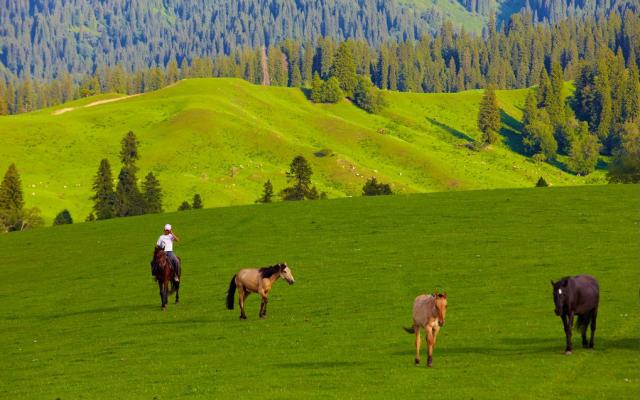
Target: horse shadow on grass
{"x":103,"y":310}
{"x":320,"y":364}
{"x":453,"y":131}
{"x":522,"y":346}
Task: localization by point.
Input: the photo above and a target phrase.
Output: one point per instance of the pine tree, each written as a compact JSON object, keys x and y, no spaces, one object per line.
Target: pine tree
{"x":489,"y":116}
{"x":300,"y":175}
{"x":184,"y":206}
{"x":128,"y":199}
{"x":584,"y":151}
{"x":374,"y":188}
{"x":104,"y":197}
{"x":367,"y":97}
{"x":11,"y":197}
{"x":625,"y":167}
{"x":604,"y":111}
{"x":267,"y":193}
{"x":63,"y":218}
{"x":196,"y":204}
{"x":344,"y":69}
{"x":152,"y":194}
{"x":330,"y":91}
{"x":11,"y":201}
{"x":316,"y":89}
{"x":129,"y":152}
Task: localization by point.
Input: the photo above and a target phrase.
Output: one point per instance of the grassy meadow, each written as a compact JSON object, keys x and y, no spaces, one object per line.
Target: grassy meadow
{"x":223,"y":138}
{"x":80,"y":316}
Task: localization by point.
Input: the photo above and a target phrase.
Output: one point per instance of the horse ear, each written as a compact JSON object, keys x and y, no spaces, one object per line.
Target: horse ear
{"x":553,"y":284}
{"x":436,"y":293}
{"x":445,"y":294}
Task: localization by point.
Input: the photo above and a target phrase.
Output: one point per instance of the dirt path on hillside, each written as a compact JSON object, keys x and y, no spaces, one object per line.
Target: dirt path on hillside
{"x":95,"y":103}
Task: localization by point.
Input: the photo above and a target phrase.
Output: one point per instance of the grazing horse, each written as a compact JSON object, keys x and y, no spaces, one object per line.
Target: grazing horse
{"x":578,"y":295}
{"x":256,"y":280}
{"x":164,"y":274}
{"x":428,"y":313}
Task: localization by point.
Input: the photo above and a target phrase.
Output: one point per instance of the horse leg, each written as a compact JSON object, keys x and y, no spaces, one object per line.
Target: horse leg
{"x":263,"y":307}
{"x":583,"y":328}
{"x":161,"y":295}
{"x":593,"y":327}
{"x":416,"y":328}
{"x":431,"y":340}
{"x":567,"y":321}
{"x":176,"y":286}
{"x":241,"y":295}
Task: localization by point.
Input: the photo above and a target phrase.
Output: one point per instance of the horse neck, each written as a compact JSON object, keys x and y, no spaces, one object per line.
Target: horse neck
{"x":274,"y":278}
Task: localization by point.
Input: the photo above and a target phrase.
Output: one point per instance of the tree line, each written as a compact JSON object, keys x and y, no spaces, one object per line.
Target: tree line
{"x":449,"y":61}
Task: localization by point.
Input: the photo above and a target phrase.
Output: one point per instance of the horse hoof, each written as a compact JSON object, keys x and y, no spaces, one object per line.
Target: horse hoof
{"x":417,"y":361}
{"x":567,"y":353}
{"x":242,"y":317}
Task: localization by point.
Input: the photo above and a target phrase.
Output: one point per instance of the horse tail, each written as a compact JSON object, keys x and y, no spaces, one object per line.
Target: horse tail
{"x":410,"y":330}
{"x":584,"y":320}
{"x":231,"y":293}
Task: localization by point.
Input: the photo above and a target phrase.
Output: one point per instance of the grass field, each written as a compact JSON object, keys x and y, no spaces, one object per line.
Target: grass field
{"x":80,"y":316}
{"x":223,"y":138}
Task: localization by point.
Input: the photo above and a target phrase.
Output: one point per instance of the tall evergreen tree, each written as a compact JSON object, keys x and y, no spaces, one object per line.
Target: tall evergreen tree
{"x":196,"y":204}
{"x":152,"y":194}
{"x":11,"y":201}
{"x":489,"y":116}
{"x":104,"y":197}
{"x":344,"y":68}
{"x":128,"y":199}
{"x":625,"y":167}
{"x":11,"y":197}
{"x":267,"y":193}
{"x":583,"y":155}
{"x":299,"y":175}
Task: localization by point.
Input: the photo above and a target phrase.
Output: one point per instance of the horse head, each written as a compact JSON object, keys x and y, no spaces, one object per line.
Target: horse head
{"x":560,"y":294}
{"x":440,"y":303}
{"x":285,"y":273}
{"x":158,"y":253}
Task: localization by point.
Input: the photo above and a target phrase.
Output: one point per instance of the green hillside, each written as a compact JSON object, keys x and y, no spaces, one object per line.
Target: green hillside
{"x":80,"y":316}
{"x":223,"y":138}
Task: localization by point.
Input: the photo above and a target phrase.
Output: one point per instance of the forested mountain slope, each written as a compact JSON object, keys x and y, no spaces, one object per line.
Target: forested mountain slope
{"x":42,"y":39}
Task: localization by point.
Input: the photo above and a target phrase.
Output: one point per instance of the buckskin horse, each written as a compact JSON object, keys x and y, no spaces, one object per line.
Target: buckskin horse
{"x":429,"y":312}
{"x":578,"y":295}
{"x":164,"y":274}
{"x":256,"y":280}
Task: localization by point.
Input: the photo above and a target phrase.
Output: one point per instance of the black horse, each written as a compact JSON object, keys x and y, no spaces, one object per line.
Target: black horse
{"x":578,"y":295}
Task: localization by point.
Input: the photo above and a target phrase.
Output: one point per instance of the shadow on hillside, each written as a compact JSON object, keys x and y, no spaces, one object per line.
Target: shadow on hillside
{"x":512,"y":133}
{"x":114,"y":309}
{"x":602,"y":165}
{"x":560,"y":165}
{"x":453,"y":131}
{"x":306,"y":92}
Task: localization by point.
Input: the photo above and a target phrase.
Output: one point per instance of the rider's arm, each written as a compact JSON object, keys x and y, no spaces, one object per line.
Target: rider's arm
{"x":176,"y":238}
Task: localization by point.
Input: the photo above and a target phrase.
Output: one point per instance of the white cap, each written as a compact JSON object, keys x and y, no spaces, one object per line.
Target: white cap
{"x":167,"y":227}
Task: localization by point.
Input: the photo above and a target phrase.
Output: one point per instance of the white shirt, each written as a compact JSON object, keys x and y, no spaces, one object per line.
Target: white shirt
{"x":166,"y":242}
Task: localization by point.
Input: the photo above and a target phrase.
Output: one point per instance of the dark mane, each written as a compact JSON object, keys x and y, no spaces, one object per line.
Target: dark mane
{"x":267,"y":272}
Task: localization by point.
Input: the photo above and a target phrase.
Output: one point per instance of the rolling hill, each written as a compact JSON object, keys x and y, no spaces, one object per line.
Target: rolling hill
{"x":223,"y":138}
{"x":80,"y":316}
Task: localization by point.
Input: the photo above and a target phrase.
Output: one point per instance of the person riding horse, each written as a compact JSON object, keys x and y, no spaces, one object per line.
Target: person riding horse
{"x":165,"y":241}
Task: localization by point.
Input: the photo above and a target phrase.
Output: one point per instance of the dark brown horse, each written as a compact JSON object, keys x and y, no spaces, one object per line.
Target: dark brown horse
{"x":578,"y":295}
{"x":164,"y":274}
{"x":256,"y":280}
